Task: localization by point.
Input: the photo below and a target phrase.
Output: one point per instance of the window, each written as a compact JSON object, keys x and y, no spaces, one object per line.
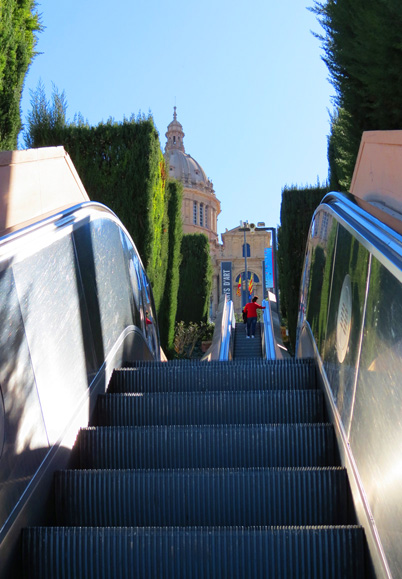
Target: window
{"x":202,"y":215}
{"x":206,"y":216}
{"x":195,"y":213}
{"x":248,"y":249}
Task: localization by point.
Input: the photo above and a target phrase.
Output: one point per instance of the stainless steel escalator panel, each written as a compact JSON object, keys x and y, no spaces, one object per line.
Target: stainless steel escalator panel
{"x":351,"y":297}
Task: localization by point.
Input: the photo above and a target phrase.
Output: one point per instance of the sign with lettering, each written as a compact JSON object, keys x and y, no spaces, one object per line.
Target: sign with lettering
{"x":269,"y":268}
{"x":226,"y":270}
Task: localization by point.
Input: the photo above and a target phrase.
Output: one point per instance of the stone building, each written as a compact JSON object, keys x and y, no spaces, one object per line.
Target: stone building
{"x":200,"y":207}
{"x":231,"y":259}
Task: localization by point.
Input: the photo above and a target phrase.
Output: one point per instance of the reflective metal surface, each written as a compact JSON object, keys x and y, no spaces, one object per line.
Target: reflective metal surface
{"x":351,"y":297}
{"x":73,"y":297}
{"x":268,"y":338}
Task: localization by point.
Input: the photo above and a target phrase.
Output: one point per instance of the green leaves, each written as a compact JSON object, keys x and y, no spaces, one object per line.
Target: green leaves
{"x":18,"y":23}
{"x":363,"y":51}
{"x":195,"y":279}
{"x":297,"y":209}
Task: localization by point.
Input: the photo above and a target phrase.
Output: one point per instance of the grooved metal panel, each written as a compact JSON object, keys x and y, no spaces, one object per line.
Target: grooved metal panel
{"x":236,"y":497}
{"x":219,"y":553}
{"x":217,"y":446}
{"x":167,"y":377}
{"x":210,"y":408}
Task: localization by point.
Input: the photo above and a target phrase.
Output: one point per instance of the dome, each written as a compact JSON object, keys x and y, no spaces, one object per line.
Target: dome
{"x":181,"y":165}
{"x":186,"y":169}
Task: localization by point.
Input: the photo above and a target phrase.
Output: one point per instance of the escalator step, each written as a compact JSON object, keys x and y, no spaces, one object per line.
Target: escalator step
{"x":194,"y":362}
{"x":209,"y":408}
{"x":211,"y":377}
{"x":218,"y":446}
{"x":177,"y":553}
{"x":244,"y":497}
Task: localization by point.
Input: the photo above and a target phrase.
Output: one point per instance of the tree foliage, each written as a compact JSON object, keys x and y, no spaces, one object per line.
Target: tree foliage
{"x":46,"y":118}
{"x":297,"y":209}
{"x":122,"y":166}
{"x":195,"y":279}
{"x":19,"y":21}
{"x":168,"y":308}
{"x":363,"y":52}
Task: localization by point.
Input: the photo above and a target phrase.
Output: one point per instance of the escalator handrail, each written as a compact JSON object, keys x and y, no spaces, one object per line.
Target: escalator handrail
{"x":268,"y":345}
{"x":63,"y":218}
{"x":377,"y":237}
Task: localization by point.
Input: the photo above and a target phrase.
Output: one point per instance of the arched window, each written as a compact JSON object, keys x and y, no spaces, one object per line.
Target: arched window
{"x":248,"y":249}
{"x":195,"y":213}
{"x":202,"y":214}
{"x":206,"y":216}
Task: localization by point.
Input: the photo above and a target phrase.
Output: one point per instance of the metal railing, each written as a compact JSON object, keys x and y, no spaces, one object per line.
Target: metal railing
{"x":267,"y":335}
{"x":222,"y":342}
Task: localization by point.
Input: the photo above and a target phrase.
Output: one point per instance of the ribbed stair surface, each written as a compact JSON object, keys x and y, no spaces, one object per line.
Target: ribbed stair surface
{"x":165,"y":553}
{"x":222,"y":497}
{"x":203,"y":470}
{"x":210,"y":408}
{"x":247,"y":347}
{"x":236,"y":376}
{"x":220,"y":446}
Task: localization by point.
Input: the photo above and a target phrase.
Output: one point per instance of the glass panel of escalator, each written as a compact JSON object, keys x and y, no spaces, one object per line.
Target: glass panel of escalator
{"x":376,"y":428}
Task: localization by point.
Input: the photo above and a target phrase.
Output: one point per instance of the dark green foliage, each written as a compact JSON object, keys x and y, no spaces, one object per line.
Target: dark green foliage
{"x":195,"y":279}
{"x":363,"y":52}
{"x":167,"y":315}
{"x":18,"y":23}
{"x":297,"y":209}
{"x":122,"y":166}
{"x":45,"y":120}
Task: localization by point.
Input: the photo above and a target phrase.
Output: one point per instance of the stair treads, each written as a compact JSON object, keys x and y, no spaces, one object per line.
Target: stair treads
{"x":217,"y":446}
{"x":176,"y":553}
{"x":222,"y":497}
{"x":209,"y":408}
{"x":290,"y":374}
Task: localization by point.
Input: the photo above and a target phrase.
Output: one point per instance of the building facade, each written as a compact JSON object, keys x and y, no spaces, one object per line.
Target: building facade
{"x":200,"y":212}
{"x":200,"y":207}
{"x":233,"y":251}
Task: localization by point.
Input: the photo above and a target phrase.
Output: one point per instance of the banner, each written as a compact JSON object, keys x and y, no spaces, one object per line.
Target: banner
{"x":226,"y":269}
{"x":269,"y":268}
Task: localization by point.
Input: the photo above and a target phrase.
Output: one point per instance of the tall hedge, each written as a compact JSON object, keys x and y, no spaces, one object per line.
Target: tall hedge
{"x":363,"y":53}
{"x":195,"y":279}
{"x":297,"y":209}
{"x":19,"y":21}
{"x":122,"y":166}
{"x":168,"y":310}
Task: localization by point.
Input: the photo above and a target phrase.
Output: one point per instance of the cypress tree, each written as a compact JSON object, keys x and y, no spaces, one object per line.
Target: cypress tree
{"x":19,"y":21}
{"x":167,"y":317}
{"x":363,"y":53}
{"x":297,"y":209}
{"x":195,"y":279}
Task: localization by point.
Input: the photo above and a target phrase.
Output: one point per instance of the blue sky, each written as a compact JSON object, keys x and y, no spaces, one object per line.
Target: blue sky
{"x":251,"y":90}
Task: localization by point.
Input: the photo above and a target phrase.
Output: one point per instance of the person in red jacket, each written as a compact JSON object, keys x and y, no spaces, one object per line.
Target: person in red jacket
{"x":251,"y":310}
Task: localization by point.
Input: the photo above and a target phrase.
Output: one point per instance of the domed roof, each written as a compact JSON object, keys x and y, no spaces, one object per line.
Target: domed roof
{"x":181,"y":165}
{"x":184,"y":168}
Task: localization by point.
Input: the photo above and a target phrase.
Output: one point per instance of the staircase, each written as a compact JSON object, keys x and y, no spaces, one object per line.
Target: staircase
{"x":246,"y":348}
{"x":208,"y":471}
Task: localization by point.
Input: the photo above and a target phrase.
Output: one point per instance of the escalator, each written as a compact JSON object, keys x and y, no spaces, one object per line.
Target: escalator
{"x":247,"y":348}
{"x":245,"y":467}
{"x":227,"y":469}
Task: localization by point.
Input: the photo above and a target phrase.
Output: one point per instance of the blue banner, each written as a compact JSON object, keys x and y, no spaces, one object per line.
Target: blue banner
{"x":226,"y":269}
{"x":269,"y":269}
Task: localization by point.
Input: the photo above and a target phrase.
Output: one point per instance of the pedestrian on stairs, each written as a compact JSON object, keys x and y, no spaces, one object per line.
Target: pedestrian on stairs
{"x":251,"y":311}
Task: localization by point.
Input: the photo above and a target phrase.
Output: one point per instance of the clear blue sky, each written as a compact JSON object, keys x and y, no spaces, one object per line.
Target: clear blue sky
{"x":251,"y":90}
